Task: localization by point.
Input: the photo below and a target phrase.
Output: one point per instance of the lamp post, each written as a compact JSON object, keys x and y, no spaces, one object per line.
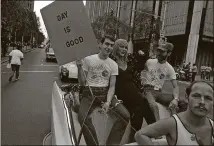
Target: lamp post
{"x":162,"y":32}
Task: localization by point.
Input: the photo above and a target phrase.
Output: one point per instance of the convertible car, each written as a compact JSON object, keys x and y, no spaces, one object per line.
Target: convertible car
{"x":66,"y":129}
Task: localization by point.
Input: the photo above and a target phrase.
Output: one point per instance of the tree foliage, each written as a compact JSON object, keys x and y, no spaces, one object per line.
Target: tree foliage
{"x":109,"y":24}
{"x":145,"y":29}
{"x":41,"y":37}
{"x":17,"y":19}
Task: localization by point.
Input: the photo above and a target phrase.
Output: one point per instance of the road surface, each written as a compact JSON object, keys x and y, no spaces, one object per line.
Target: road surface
{"x":26,"y":104}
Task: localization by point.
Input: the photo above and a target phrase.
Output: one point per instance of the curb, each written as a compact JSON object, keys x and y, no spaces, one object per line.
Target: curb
{"x":23,"y":52}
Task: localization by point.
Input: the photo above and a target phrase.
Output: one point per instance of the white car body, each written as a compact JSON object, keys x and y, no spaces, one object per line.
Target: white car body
{"x":72,"y":69}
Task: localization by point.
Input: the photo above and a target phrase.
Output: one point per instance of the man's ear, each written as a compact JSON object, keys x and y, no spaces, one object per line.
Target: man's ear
{"x":186,"y":97}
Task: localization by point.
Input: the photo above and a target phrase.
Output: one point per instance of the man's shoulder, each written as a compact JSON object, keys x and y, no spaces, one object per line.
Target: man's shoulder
{"x":90,"y":57}
{"x":152,"y":61}
{"x":170,"y":67}
{"x":111,"y":61}
{"x":20,"y":52}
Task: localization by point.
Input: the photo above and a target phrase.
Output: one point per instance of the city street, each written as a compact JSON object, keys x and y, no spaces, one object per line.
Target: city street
{"x":26,"y":104}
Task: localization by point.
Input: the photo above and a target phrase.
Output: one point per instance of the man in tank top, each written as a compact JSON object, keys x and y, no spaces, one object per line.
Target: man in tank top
{"x":191,"y":127}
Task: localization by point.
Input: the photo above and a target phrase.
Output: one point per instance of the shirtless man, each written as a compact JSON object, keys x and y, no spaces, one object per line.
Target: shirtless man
{"x":191,"y":127}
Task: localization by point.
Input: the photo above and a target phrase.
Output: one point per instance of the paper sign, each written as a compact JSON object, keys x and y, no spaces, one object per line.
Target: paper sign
{"x":69,"y":30}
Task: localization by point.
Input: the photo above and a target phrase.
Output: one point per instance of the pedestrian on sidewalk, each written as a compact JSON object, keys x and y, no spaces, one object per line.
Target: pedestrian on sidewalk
{"x":203,"y":72}
{"x":194,"y":72}
{"x":15,"y":59}
{"x":208,"y":72}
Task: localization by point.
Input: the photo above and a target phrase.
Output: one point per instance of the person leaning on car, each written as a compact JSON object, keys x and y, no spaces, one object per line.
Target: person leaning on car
{"x":100,"y":72}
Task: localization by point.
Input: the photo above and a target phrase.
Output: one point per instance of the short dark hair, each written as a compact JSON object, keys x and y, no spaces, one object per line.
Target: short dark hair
{"x":168,"y":46}
{"x":189,"y":88}
{"x":107,"y":37}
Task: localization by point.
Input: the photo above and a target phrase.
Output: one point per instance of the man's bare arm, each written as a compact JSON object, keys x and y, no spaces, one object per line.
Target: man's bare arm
{"x":111,"y":90}
{"x":175,"y":88}
{"x":81,"y":76}
{"x":157,"y":129}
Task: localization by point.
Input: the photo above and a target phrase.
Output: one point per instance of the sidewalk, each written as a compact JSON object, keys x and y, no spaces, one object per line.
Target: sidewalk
{"x":198,"y":78}
{"x":6,"y":58}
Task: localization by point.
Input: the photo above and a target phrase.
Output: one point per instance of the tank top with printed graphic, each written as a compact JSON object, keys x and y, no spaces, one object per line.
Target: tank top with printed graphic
{"x":184,"y":137}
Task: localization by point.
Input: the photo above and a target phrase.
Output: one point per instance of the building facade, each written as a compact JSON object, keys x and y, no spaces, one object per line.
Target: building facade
{"x":187,"y":24}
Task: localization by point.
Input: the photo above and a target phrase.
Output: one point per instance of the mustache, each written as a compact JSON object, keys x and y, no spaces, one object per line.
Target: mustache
{"x":201,"y":107}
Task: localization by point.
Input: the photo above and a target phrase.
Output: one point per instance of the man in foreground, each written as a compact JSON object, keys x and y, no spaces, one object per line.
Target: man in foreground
{"x":153,"y":78}
{"x":191,"y":127}
{"x":100,"y":72}
{"x":15,"y":59}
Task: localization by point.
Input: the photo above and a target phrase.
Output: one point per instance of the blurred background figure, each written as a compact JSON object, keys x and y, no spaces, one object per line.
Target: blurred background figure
{"x":194,"y":72}
{"x":203,"y":72}
{"x":208,"y":72}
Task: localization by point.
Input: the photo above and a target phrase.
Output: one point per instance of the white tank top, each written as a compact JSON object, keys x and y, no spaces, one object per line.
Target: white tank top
{"x":184,"y":137}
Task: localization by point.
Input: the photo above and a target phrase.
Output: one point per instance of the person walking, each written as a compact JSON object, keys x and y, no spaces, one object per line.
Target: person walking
{"x":203,"y":72}
{"x":15,"y":59}
{"x":194,"y":72}
{"x":191,"y":127}
{"x":208,"y":72}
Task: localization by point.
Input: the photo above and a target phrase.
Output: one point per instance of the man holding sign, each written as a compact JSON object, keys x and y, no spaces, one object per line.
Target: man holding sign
{"x":100,"y":72}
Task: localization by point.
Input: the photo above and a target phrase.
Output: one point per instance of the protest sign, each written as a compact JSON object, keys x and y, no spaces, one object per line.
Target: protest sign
{"x":69,"y":30}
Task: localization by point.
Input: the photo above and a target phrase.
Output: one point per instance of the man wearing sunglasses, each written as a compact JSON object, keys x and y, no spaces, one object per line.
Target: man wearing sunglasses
{"x":153,"y":77}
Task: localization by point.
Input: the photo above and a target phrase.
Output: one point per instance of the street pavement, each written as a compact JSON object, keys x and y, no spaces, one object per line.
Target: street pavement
{"x":26,"y":104}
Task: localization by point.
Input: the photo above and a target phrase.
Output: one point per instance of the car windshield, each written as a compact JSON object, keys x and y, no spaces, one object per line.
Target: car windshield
{"x":51,"y":50}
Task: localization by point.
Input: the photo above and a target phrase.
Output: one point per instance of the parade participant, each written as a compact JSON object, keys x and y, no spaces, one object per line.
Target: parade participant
{"x":153,"y":78}
{"x":191,"y":127}
{"x":100,"y":72}
{"x":15,"y":59}
{"x":125,"y":88}
{"x":194,"y":72}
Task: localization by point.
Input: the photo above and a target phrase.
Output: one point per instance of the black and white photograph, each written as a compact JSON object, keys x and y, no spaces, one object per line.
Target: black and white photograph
{"x":107,"y":72}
